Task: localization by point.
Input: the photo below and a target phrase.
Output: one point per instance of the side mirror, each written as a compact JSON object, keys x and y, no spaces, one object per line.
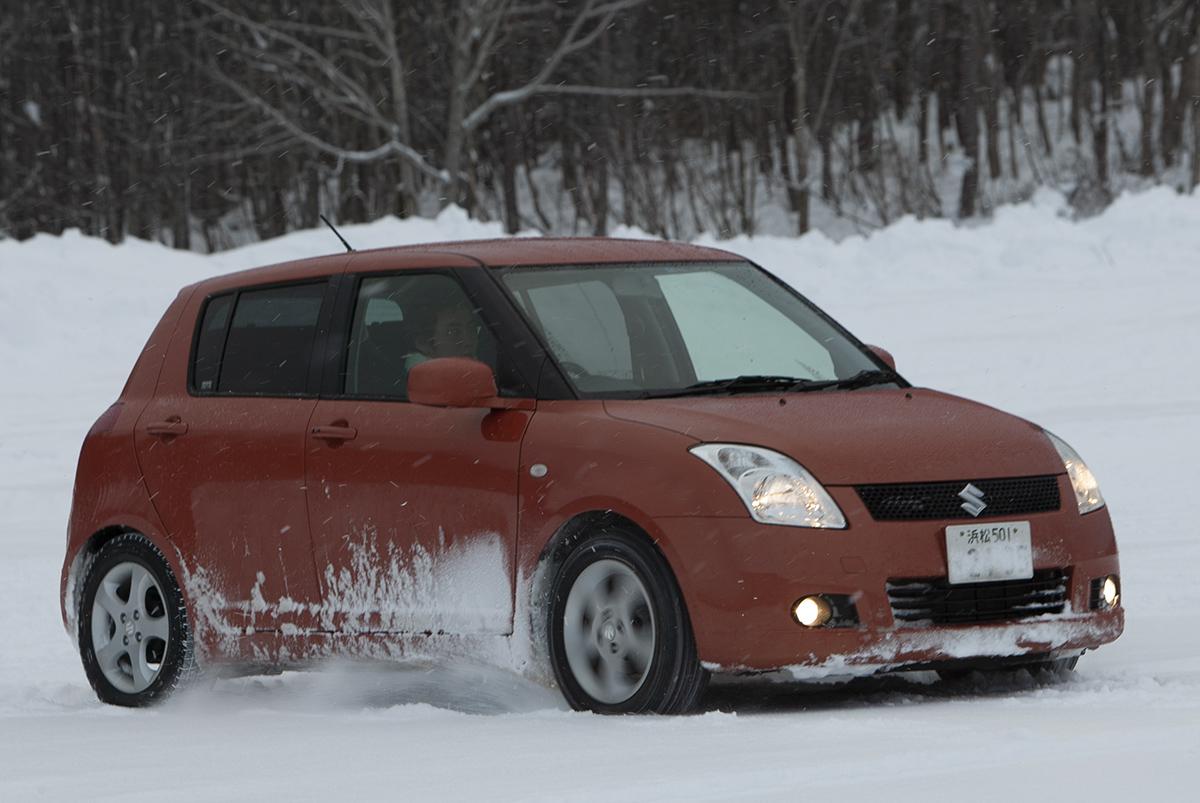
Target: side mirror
{"x":884,"y":355}
{"x":452,"y":382}
{"x":459,"y":382}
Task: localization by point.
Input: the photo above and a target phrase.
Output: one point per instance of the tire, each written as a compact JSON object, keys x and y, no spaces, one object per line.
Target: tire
{"x":1052,"y":669}
{"x":620,"y":638}
{"x":134,"y":638}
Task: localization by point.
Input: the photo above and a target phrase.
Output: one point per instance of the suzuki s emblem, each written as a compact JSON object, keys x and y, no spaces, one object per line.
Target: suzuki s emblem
{"x":972,"y":500}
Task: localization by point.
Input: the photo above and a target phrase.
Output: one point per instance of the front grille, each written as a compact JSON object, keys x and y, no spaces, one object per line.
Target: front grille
{"x":1011,"y":496}
{"x":935,"y":601}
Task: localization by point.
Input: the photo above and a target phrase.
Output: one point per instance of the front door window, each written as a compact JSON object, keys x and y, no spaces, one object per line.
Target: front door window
{"x":401,"y":321}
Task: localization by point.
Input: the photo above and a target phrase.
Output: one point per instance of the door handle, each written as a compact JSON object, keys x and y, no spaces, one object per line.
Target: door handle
{"x":335,"y":432}
{"x":171,"y":428}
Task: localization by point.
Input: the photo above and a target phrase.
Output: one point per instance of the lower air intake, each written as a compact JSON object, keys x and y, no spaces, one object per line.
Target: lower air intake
{"x":935,"y":601}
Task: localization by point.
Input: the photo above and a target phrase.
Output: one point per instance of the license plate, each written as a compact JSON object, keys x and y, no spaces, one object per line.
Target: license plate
{"x":999,"y":550}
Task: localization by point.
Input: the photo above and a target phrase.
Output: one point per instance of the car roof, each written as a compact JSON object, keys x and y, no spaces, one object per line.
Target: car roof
{"x":510,"y":251}
{"x":501,"y":252}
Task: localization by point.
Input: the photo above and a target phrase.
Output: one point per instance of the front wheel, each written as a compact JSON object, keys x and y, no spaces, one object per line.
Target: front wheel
{"x":620,"y":638}
{"x":133,"y":629}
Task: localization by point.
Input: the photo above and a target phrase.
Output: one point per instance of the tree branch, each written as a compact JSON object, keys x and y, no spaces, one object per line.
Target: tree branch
{"x":375,"y":154}
{"x":570,"y":43}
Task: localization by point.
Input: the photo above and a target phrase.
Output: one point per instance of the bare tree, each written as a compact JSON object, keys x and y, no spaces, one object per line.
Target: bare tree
{"x":207,"y":123}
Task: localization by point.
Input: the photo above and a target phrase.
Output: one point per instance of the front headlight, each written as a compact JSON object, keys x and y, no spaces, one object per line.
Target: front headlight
{"x":775,"y":488}
{"x":1087,"y":490}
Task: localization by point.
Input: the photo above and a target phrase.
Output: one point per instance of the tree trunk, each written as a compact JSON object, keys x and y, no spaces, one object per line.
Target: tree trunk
{"x":1012,"y":141}
{"x":406,"y":195}
{"x":1191,"y":67}
{"x":508,"y":172}
{"x":599,"y":190}
{"x":1149,"y":90}
{"x":981,"y":24}
{"x":923,"y":102}
{"x":1100,"y":138}
{"x":825,"y":138}
{"x":460,"y":59}
{"x":967,"y":115}
{"x":1081,"y":72}
{"x":1043,"y":127}
{"x":797,"y":44}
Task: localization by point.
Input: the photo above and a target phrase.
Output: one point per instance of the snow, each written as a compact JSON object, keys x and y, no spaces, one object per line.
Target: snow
{"x":1091,"y":328}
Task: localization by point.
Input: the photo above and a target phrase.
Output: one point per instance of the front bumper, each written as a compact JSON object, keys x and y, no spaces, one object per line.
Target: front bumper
{"x":740,"y":579}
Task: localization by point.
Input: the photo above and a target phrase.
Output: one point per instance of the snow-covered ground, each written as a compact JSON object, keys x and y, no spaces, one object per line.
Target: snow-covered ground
{"x":1090,"y":328}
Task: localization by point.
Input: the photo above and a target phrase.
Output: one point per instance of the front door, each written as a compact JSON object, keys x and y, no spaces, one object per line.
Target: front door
{"x":413,"y":509}
{"x":222,"y":449}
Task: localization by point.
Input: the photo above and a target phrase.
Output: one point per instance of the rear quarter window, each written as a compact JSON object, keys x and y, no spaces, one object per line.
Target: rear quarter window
{"x":258,"y":342}
{"x":210,"y":340}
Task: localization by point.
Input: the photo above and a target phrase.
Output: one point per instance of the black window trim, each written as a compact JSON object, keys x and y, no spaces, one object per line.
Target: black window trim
{"x":315,"y":365}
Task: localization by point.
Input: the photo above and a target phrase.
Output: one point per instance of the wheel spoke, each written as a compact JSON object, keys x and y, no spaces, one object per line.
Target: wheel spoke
{"x":139,"y":666}
{"x":140,"y":583}
{"x":601,"y":591}
{"x":108,"y":655}
{"x":107,"y":599}
{"x":621,"y":588}
{"x":575,"y":638}
{"x":605,"y":674}
{"x":155,"y":627}
{"x":640,"y":647}
{"x":631,"y":603}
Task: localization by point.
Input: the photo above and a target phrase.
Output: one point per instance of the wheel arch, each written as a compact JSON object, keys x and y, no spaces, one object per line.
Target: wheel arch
{"x":76,"y":567}
{"x":578,"y":525}
{"x":555,"y":550}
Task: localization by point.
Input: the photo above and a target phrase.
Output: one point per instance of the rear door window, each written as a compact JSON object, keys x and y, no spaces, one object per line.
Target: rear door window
{"x":267,"y":345}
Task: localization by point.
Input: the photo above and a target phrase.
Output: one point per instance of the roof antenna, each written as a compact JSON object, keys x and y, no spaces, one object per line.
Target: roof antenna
{"x":336,"y":233}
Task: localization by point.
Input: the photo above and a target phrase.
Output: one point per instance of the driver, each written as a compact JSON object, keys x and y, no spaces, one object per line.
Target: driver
{"x":446,"y":331}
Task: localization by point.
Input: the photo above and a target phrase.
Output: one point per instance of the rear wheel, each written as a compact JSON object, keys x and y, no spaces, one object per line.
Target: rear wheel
{"x":133,"y":630}
{"x":620,"y":638}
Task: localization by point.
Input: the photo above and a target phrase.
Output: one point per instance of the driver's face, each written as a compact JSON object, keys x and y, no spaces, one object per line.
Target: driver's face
{"x":455,"y":334}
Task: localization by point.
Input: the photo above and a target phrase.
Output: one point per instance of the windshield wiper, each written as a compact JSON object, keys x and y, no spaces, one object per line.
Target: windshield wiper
{"x":750,"y":383}
{"x":746,"y":383}
{"x":871,"y":376}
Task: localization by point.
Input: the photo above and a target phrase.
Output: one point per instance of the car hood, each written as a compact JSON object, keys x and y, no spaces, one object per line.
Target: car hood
{"x":875,"y":435}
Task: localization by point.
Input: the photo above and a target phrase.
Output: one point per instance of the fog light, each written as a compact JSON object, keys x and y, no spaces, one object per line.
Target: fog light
{"x":812,"y":611}
{"x":1109,"y":592}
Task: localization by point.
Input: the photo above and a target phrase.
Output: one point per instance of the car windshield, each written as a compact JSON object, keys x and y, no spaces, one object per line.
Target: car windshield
{"x":687,"y":328}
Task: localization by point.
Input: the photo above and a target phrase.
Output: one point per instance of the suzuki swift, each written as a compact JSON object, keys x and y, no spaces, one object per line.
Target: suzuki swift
{"x":618,"y":467}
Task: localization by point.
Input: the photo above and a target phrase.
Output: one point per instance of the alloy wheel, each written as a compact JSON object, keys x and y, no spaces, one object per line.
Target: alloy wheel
{"x":130,"y":627}
{"x":609,"y":633}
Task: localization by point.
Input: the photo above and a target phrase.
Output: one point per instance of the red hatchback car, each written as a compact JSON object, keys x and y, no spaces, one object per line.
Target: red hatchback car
{"x":617,"y":466}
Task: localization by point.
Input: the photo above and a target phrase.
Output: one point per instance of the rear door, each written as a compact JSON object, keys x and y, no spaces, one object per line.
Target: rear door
{"x":222,"y":449}
{"x":414,"y":508}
